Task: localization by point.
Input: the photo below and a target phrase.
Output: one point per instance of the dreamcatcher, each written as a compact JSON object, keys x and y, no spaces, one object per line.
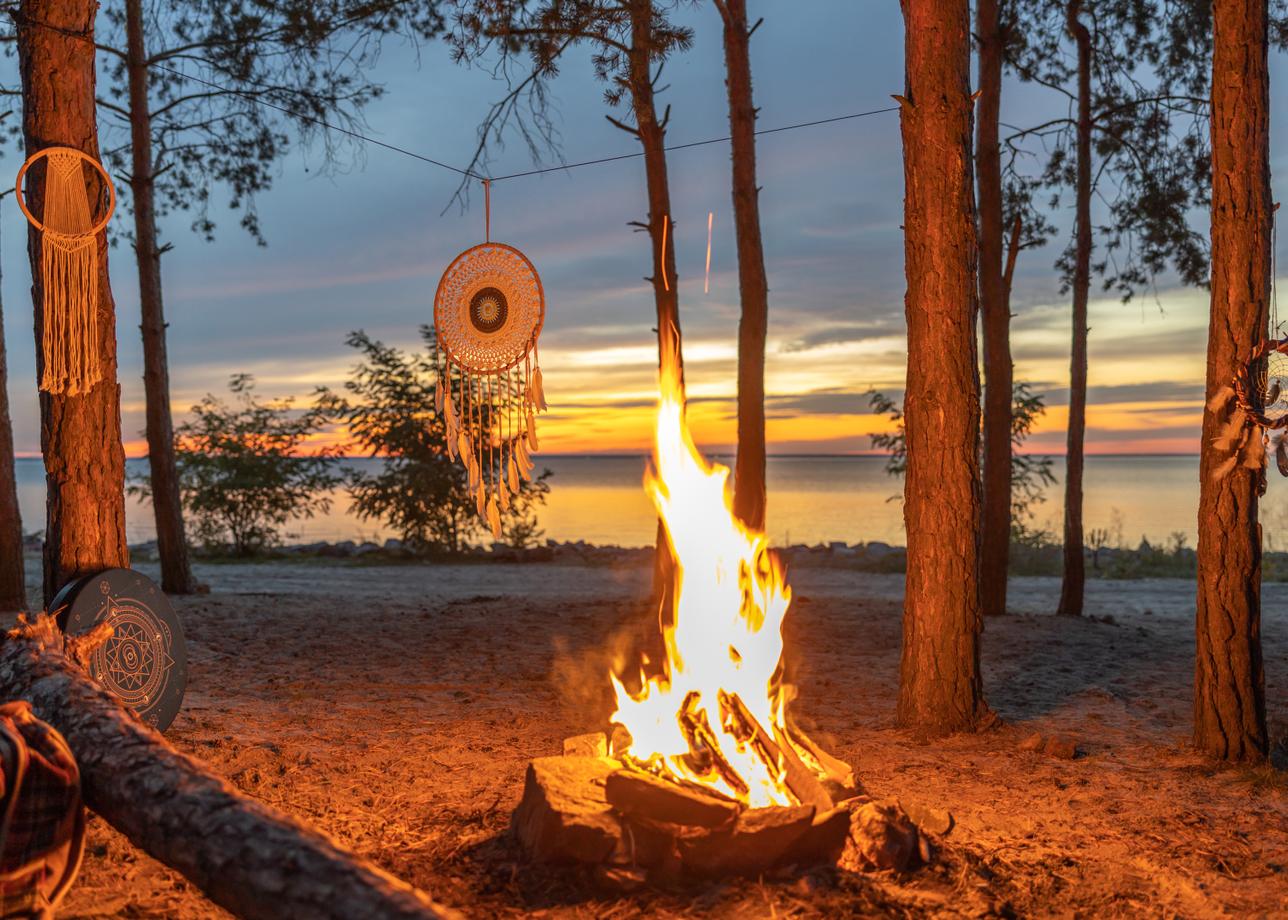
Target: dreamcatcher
{"x":1259,"y":423}
{"x":69,"y":268}
{"x":488,"y":313}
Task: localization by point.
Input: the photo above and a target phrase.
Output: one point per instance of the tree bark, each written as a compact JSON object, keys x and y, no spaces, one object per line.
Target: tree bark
{"x":939,"y":678}
{"x":749,"y":468}
{"x":13,"y":579}
{"x":1074,"y":578}
{"x":172,"y":547}
{"x":651,"y":132}
{"x":245,"y":856}
{"x":80,"y":436}
{"x":1229,"y":680}
{"x":995,"y":316}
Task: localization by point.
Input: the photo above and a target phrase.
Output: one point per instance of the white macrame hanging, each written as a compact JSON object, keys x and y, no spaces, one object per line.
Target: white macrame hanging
{"x":71,"y":363}
{"x":488,"y":313}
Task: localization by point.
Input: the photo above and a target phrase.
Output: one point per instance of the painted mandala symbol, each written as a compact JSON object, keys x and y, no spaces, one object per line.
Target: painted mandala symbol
{"x":134,"y":661}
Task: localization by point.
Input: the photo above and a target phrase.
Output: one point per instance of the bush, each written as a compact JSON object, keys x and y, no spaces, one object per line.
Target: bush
{"x":240,"y":478}
{"x":420,"y":492}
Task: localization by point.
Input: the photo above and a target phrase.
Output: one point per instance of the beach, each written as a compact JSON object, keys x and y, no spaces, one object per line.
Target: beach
{"x":396,"y":708}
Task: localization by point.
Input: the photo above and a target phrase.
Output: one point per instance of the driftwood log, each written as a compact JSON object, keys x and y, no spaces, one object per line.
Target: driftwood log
{"x":247,"y":857}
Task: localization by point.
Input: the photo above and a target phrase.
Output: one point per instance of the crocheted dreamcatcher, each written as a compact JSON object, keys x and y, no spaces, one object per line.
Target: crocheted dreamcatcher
{"x":488,"y":314}
{"x":69,"y":268}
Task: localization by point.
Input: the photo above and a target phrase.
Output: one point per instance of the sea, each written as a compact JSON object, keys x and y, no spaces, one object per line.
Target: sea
{"x":812,"y":499}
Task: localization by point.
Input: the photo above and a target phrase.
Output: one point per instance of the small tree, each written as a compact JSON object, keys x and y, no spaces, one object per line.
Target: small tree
{"x":420,"y":491}
{"x":241,"y":477}
{"x":1030,"y":474}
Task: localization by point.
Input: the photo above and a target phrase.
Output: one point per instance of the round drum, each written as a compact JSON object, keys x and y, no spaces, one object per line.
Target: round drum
{"x":145,"y":661}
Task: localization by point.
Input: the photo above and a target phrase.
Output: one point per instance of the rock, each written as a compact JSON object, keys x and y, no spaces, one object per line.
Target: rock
{"x":343,"y":548}
{"x":593,"y":745}
{"x":759,"y":839}
{"x":877,"y":550}
{"x":932,"y":820}
{"x":362,"y":549}
{"x":648,"y":800}
{"x":564,"y":815}
{"x":824,"y":840}
{"x":881,"y":836}
{"x":394,"y":546}
{"x":1061,"y":746}
{"x":1032,"y":743}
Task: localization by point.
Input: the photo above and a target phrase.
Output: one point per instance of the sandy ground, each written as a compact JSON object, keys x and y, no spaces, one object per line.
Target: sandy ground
{"x":396,"y":708}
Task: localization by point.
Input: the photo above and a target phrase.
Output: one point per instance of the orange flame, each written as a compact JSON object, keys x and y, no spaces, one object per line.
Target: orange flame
{"x":724,"y":638}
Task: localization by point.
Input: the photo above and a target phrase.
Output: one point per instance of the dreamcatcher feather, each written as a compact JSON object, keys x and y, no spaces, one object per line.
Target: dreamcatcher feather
{"x":488,"y":313}
{"x":71,"y":362}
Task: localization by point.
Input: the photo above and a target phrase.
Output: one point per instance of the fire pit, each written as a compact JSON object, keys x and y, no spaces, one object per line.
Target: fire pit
{"x":707,"y":772}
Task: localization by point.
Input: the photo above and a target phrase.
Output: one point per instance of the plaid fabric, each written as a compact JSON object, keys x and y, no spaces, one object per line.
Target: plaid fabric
{"x":43,"y":830}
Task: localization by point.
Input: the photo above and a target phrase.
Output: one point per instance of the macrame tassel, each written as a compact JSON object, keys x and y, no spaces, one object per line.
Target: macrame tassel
{"x":69,"y":270}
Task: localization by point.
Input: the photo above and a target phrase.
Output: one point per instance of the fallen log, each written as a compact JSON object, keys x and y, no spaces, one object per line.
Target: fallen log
{"x":247,"y":857}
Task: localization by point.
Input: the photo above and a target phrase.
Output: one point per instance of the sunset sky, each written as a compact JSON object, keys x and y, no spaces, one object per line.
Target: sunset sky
{"x":364,"y":249}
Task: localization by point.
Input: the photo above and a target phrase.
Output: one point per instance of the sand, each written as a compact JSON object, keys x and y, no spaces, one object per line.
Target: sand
{"x":396,"y":707}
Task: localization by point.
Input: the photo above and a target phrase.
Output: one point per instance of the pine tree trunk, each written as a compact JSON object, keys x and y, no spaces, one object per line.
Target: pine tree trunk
{"x":939,"y":678}
{"x":172,"y":547}
{"x":753,"y":286}
{"x":1229,"y":681}
{"x":80,"y":436}
{"x":1073,"y":581}
{"x":661,"y":230}
{"x":995,"y":316}
{"x":13,"y":579}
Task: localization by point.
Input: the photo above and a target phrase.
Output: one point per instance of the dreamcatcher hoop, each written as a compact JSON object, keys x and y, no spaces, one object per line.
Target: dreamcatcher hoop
{"x":489,"y":309}
{"x":97,"y":228}
{"x":71,"y":341}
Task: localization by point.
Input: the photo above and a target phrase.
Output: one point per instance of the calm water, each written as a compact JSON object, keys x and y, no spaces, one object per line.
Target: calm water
{"x":811,"y":500}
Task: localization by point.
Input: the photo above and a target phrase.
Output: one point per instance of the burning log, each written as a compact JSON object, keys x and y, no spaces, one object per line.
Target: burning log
{"x":245,"y":856}
{"x":704,"y":749}
{"x":781,"y":759}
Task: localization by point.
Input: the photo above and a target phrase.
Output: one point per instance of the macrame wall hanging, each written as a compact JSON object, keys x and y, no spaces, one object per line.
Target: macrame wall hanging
{"x":488,"y":313}
{"x":69,"y":233}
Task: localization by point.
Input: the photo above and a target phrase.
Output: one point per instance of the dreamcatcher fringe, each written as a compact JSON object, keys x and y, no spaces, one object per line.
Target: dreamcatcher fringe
{"x":69,"y":269}
{"x":491,"y":427}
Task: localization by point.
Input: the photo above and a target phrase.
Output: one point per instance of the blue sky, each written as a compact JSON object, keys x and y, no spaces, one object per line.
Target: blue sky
{"x":364,"y":248}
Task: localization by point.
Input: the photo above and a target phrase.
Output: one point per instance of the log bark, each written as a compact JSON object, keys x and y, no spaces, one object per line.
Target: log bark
{"x":245,"y":856}
{"x":1073,"y":580}
{"x":80,"y":436}
{"x":749,"y":496}
{"x":939,"y":679}
{"x":1229,"y":680}
{"x":13,"y":579}
{"x":650,"y":130}
{"x":995,"y":318}
{"x":172,"y":547}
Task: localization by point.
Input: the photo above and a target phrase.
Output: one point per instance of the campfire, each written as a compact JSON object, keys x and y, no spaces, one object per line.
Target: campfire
{"x":706,"y":772}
